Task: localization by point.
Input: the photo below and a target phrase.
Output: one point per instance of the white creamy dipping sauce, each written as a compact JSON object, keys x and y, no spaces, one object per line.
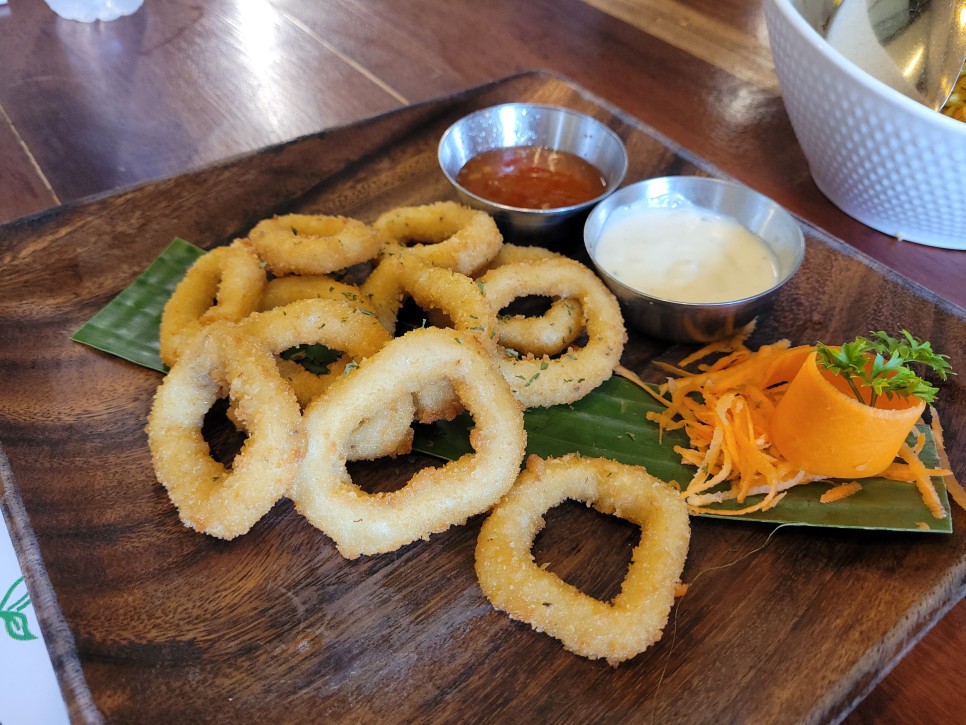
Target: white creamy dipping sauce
{"x":685,"y":254}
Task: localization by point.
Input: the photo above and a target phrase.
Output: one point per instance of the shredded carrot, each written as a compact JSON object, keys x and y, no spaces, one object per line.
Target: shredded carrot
{"x":923,"y":482}
{"x":956,"y":491}
{"x":680,"y":589}
{"x":765,"y":504}
{"x":843,"y":490}
{"x":725,"y":409}
{"x":953,"y":486}
{"x":904,"y":472}
{"x":732,"y":344}
{"x":920,"y":443}
{"x":668,"y":368}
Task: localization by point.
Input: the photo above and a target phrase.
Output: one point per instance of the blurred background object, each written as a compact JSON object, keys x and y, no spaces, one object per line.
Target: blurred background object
{"x":90,"y":109}
{"x":916,"y":47}
{"x":88,"y":11}
{"x":884,"y":159}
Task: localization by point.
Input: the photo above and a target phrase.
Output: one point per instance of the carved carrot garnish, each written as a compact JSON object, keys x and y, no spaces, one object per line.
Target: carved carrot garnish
{"x":848,"y":411}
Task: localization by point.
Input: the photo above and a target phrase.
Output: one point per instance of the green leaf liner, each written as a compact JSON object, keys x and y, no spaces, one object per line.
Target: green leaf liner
{"x":610,"y":422}
{"x":129,"y":325}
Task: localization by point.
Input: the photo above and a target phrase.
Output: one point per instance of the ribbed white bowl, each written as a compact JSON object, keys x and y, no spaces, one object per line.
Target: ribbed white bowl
{"x":882,"y":158}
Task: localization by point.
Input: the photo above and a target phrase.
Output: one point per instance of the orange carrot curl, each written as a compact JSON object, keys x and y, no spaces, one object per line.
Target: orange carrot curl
{"x":726,"y":409}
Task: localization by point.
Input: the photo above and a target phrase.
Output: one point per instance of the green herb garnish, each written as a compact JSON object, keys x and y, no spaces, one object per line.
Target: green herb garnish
{"x":880,"y":366}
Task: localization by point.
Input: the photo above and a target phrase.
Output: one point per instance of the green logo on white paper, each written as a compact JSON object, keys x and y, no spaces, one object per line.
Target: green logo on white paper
{"x":14,"y":602}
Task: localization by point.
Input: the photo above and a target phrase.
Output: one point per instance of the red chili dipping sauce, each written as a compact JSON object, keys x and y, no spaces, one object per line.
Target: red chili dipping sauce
{"x":531,"y":177}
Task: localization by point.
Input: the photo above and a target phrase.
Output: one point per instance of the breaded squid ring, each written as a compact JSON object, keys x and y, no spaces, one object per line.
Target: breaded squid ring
{"x":434,"y":498}
{"x":283,"y":290}
{"x":343,"y":326}
{"x":514,"y":583}
{"x":547,"y":334}
{"x":545,"y":381}
{"x":210,"y":498}
{"x":313,"y":243}
{"x":232,"y":276}
{"x":513,"y":253}
{"x":432,"y":288}
{"x":452,"y":293}
{"x":443,"y":234}
{"x":337,"y":324}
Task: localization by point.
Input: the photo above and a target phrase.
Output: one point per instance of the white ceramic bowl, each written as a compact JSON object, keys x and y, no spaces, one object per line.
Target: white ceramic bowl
{"x":893,"y":164}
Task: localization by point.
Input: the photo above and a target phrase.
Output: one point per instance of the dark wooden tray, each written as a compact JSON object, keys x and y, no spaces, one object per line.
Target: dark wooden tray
{"x":149,"y":621}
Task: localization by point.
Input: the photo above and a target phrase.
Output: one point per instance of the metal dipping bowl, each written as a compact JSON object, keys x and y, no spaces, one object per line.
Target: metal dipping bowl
{"x":529,"y":124}
{"x":699,"y":321}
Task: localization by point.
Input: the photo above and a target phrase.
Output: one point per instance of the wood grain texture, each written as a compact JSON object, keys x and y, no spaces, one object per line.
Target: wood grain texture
{"x":189,"y":98}
{"x":103,"y":106}
{"x":700,"y":34}
{"x":897,"y":698}
{"x":23,"y":188}
{"x":778,"y":625}
{"x":702,"y":103}
{"x":179,"y":85}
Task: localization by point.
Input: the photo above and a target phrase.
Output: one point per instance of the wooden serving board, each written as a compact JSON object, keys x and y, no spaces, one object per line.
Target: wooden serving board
{"x":149,"y":621}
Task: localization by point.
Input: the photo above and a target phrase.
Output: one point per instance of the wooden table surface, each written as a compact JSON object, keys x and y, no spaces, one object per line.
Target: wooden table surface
{"x":89,"y":109}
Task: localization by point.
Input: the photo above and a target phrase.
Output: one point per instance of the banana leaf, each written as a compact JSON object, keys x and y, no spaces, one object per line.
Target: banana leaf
{"x":609,"y":422}
{"x":128,"y":326}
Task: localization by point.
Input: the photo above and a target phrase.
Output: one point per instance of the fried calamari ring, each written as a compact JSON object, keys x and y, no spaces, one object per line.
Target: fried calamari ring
{"x":337,"y":324}
{"x":513,"y":253}
{"x":514,"y":583}
{"x":546,"y":334}
{"x":444,"y":234}
{"x":209,"y":497}
{"x":230,"y":276}
{"x":313,"y":244}
{"x":544,"y":381}
{"x":434,"y":498}
{"x":283,"y":290}
{"x":348,"y":328}
{"x":454,"y":295}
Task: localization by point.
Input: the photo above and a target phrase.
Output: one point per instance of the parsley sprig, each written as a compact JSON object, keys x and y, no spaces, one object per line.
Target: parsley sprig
{"x":880,"y":365}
